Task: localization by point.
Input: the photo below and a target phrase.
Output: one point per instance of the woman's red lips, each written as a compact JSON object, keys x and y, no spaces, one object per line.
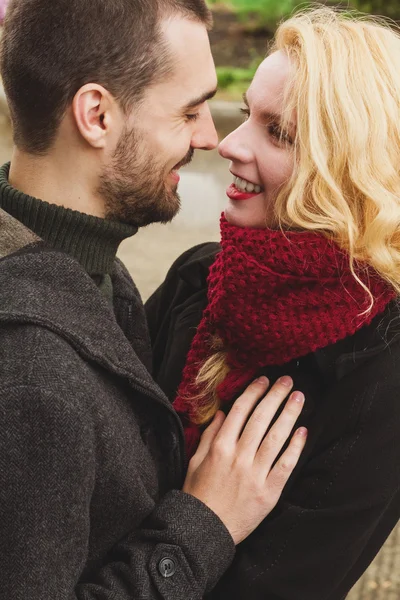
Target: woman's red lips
{"x":235,"y":194}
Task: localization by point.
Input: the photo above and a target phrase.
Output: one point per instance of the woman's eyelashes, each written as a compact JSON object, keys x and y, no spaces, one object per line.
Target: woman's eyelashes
{"x":273,"y":128}
{"x":279,"y":134}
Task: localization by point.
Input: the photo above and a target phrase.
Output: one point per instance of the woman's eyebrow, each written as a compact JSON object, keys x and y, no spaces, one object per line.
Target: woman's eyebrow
{"x":269,"y":116}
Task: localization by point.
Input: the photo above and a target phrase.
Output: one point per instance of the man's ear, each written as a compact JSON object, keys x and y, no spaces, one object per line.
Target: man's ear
{"x":92,"y":111}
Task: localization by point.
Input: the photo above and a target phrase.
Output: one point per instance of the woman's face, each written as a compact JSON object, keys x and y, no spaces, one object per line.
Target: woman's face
{"x":261,"y":154}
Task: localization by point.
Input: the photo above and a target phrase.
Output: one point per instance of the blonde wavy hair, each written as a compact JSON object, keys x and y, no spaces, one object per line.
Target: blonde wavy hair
{"x":345,"y":88}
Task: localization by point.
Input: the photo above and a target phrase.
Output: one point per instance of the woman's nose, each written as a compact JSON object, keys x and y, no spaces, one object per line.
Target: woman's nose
{"x":235,"y":147}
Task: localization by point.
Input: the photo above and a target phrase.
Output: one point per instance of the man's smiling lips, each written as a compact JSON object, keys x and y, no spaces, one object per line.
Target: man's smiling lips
{"x":185,"y":161}
{"x":175,"y":176}
{"x":241,"y":189}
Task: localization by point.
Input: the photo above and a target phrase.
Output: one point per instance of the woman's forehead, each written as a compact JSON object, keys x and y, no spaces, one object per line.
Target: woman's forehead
{"x":267,"y":90}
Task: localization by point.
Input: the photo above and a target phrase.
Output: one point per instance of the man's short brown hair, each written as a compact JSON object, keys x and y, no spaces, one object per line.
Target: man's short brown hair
{"x":51,"y":48}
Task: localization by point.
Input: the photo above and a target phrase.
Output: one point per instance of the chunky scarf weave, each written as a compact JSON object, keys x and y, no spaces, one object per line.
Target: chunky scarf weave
{"x":273,"y":297}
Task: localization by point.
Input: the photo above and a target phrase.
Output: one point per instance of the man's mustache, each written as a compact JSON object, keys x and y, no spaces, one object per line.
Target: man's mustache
{"x":185,"y":161}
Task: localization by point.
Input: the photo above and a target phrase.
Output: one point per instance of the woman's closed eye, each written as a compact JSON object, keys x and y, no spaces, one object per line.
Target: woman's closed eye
{"x":273,"y":128}
{"x":279,"y":134}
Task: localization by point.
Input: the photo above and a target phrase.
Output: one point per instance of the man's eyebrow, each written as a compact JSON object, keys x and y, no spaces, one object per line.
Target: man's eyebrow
{"x":268,"y":116}
{"x":197,"y":101}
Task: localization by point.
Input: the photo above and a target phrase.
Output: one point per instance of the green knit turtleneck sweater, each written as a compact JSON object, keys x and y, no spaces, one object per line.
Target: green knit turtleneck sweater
{"x":92,"y":241}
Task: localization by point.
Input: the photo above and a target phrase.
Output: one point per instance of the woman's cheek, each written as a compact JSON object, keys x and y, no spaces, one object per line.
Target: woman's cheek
{"x":276,"y":169}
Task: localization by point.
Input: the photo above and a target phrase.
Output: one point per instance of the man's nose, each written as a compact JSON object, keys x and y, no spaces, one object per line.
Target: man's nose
{"x":205,"y":136}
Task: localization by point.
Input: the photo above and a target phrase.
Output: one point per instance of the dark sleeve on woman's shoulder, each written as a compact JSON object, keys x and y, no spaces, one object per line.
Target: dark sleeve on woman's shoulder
{"x":172,"y":290}
{"x":342,"y":504}
{"x":174,"y":310}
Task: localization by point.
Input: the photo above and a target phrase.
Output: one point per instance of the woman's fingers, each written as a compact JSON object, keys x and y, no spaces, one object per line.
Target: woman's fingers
{"x":263,"y":415}
{"x":280,"y":432}
{"x":278,"y":476}
{"x":241,"y":410}
{"x":242,"y":494}
{"x":240,"y":491}
{"x":209,"y":436}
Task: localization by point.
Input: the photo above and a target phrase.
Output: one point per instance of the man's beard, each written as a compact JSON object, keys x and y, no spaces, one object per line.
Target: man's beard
{"x":134,"y":186}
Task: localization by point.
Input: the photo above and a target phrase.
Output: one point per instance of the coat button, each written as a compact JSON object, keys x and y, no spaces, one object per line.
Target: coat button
{"x":166,"y":566}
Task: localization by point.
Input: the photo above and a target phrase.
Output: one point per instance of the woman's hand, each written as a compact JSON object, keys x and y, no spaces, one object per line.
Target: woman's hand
{"x":232,"y":470}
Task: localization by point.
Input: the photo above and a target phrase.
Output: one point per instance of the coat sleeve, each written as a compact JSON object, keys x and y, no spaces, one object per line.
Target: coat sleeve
{"x":341,"y":504}
{"x":175,"y":289}
{"x":47,"y":478}
{"x":182,"y":296}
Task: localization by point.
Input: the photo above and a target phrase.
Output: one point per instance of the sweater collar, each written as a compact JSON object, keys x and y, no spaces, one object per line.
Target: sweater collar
{"x":91,"y":240}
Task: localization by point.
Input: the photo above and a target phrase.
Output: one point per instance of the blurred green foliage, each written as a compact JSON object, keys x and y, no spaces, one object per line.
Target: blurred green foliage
{"x":266,"y":12}
{"x":269,"y":12}
{"x":387,"y":8}
{"x":232,"y":78}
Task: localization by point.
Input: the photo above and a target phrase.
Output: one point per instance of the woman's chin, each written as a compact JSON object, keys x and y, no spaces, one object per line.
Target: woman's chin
{"x":241,"y":215}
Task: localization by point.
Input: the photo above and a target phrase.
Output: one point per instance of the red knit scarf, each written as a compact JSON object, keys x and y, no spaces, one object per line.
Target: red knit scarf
{"x":273,"y":297}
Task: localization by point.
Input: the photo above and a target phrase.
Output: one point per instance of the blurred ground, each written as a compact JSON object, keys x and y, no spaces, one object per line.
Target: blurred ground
{"x":149,"y":254}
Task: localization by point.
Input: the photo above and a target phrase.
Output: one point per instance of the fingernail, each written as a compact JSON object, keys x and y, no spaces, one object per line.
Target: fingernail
{"x":286,"y":381}
{"x":262,"y":379}
{"x":302,"y":432}
{"x":298,"y":397}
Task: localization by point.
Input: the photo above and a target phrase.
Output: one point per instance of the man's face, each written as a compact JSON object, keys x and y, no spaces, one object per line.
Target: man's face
{"x":140,"y":184}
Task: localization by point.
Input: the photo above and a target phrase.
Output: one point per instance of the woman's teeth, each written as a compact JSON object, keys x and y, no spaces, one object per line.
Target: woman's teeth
{"x":246,"y":186}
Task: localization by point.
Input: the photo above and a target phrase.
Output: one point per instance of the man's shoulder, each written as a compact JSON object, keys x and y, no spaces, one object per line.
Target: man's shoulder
{"x":31,"y":352}
{"x":39,"y":267}
{"x":45,"y":284}
{"x":50,"y":290}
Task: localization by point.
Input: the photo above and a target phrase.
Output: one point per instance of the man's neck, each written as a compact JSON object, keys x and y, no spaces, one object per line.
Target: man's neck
{"x":55,"y":181}
{"x":91,"y":240}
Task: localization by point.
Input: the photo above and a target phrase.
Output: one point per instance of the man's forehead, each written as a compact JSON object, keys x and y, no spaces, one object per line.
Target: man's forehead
{"x":188,"y":46}
{"x":192,"y":79}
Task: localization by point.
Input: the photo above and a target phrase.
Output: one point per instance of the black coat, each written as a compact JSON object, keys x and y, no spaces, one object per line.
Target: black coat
{"x":90,"y":449}
{"x":343,"y":499}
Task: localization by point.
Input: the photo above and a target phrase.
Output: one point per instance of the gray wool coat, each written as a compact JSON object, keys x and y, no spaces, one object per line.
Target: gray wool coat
{"x":91,"y":459}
